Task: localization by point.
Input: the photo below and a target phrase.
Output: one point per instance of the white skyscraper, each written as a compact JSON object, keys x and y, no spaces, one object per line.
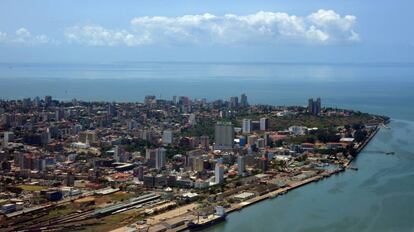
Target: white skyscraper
{"x":219,"y":173}
{"x":264,"y":124}
{"x":224,"y":136}
{"x":247,"y":125}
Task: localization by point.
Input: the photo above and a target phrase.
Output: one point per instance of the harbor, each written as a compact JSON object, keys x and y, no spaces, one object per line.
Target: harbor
{"x":184,"y":216}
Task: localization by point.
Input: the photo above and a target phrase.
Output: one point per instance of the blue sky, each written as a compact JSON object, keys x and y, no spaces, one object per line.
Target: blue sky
{"x":207,"y":31}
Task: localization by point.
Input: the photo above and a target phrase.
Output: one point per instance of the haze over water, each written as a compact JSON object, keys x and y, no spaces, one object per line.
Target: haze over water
{"x":378,"y":197}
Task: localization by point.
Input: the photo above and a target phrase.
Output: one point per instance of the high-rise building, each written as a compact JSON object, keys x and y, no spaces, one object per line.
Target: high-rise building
{"x":260,"y":143}
{"x":205,"y":142}
{"x":70,"y":179}
{"x":111,"y":109}
{"x":243,"y":101}
{"x":117,"y":153}
{"x":48,"y":101}
{"x":192,"y":119}
{"x":160,"y":158}
{"x":198,"y":164}
{"x":234,"y":102}
{"x":219,"y":173}
{"x":264,"y":124}
{"x":314,"y":107}
{"x":255,"y":126}
{"x":167,"y":137}
{"x":224,"y":136}
{"x":8,"y":136}
{"x":241,"y":165}
{"x":140,"y":172}
{"x":247,"y":124}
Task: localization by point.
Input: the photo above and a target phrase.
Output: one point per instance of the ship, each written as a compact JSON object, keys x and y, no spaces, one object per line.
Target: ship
{"x":205,"y":222}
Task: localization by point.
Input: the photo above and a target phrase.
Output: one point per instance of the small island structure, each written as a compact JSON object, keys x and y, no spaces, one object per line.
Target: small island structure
{"x":163,"y":165}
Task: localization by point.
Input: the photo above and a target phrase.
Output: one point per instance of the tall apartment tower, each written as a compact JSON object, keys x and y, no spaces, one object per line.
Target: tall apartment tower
{"x":224,"y":136}
{"x":314,"y":107}
{"x":219,"y":173}
{"x":160,"y":158}
{"x":243,"y":100}
{"x":247,"y":126}
{"x":234,"y":102}
{"x":264,"y":124}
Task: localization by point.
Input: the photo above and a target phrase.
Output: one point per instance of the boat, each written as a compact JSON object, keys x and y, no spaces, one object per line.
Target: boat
{"x":205,"y":222}
{"x":390,"y":153}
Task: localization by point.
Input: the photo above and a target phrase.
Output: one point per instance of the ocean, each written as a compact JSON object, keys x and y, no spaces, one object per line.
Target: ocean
{"x":377,"y":197}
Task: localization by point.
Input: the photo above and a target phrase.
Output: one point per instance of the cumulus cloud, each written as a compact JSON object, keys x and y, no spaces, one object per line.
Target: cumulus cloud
{"x":265,"y":28}
{"x":23,"y":36}
{"x":3,"y":36}
{"x":99,"y":36}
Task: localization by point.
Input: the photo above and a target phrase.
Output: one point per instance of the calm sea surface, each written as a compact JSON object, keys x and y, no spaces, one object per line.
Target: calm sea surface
{"x":378,"y":197}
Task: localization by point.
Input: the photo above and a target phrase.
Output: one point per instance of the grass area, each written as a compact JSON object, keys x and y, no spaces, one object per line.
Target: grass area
{"x":280,"y":123}
{"x":27,"y":187}
{"x":115,"y":197}
{"x":62,"y":210}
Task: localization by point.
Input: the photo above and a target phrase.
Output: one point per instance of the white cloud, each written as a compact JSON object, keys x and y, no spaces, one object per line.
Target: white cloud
{"x":23,"y":36}
{"x":99,"y":36}
{"x":3,"y":36}
{"x":264,"y":28}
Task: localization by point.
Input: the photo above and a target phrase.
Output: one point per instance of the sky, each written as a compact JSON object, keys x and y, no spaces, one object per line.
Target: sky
{"x":99,"y":31}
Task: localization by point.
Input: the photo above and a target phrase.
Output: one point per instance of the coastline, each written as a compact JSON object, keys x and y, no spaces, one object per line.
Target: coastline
{"x":281,"y":191}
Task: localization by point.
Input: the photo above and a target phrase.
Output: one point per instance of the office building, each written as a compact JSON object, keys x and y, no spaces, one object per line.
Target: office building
{"x":234,"y":102}
{"x":264,"y":124}
{"x":247,"y":123}
{"x":160,"y":158}
{"x":48,"y":101}
{"x":314,"y":107}
{"x":243,"y":101}
{"x":224,"y":135}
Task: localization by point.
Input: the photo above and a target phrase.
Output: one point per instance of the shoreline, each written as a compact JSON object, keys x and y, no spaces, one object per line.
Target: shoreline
{"x":281,"y":191}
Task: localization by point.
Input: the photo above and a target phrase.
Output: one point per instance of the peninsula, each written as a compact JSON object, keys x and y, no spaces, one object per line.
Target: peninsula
{"x":163,"y":165}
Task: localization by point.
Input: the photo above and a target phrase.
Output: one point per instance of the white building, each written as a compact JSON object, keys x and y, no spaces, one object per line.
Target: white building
{"x":219,"y":173}
{"x":167,"y":137}
{"x":8,"y":136}
{"x":298,"y":130}
{"x":192,"y":119}
{"x":247,"y":125}
{"x":264,"y":124}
